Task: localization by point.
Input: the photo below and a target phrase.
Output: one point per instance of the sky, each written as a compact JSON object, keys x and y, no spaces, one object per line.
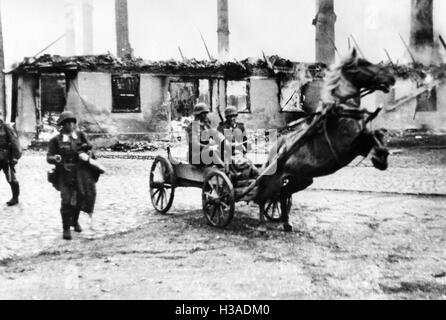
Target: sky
{"x":158,"y":27}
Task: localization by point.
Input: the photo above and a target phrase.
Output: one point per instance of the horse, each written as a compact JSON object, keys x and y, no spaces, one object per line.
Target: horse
{"x":336,"y":136}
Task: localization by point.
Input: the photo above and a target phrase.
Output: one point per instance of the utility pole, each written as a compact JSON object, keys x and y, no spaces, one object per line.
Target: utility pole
{"x":325,"y":31}
{"x":2,"y":75}
{"x":123,"y":48}
{"x":223,"y":29}
{"x":87,"y":24}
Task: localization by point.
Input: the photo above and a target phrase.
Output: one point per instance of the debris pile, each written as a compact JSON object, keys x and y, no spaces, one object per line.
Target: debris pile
{"x":108,"y":62}
{"x":250,"y":66}
{"x":139,"y":146}
{"x":418,"y":72}
{"x":88,"y":62}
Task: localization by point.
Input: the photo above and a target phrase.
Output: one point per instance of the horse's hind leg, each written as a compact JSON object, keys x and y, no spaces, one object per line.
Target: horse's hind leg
{"x":285,"y":214}
{"x":262,"y":212}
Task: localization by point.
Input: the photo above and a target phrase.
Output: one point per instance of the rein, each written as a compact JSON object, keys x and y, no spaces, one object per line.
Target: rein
{"x":339,"y":109}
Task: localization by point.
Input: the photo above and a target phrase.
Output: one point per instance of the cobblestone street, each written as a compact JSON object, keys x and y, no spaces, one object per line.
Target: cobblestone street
{"x":123,"y":202}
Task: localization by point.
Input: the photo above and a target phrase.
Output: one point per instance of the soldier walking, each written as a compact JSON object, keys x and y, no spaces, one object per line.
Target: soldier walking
{"x":10,"y":153}
{"x":74,"y":176}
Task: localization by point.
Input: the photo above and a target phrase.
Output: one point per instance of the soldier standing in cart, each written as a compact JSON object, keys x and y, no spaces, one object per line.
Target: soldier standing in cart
{"x":74,"y":176}
{"x":10,"y":153}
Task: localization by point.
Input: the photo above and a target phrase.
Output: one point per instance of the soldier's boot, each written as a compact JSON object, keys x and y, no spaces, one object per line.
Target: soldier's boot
{"x":76,"y":225}
{"x":66,"y":213}
{"x":15,"y":188}
{"x":66,"y":234}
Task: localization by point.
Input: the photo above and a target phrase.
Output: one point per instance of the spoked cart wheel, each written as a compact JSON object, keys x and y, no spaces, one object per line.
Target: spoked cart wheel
{"x":162,"y":184}
{"x":218,"y":199}
{"x":273,"y":211}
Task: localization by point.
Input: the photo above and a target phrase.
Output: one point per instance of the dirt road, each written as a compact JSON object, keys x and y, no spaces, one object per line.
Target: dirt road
{"x":344,"y":246}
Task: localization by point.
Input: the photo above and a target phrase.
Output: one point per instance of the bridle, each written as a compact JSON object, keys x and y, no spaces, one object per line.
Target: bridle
{"x":344,"y":110}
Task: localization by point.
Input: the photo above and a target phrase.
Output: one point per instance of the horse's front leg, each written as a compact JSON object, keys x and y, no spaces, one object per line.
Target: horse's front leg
{"x":285,"y":214}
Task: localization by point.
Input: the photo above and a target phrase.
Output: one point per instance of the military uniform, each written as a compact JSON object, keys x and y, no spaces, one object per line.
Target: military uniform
{"x":235,"y":134}
{"x":75,"y":179}
{"x":199,"y":134}
{"x":68,"y":174}
{"x":10,"y":153}
{"x":196,"y":129}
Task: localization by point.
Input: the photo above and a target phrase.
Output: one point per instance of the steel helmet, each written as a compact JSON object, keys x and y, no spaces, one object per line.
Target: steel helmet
{"x":231,"y":111}
{"x":201,"y":108}
{"x":64,"y":116}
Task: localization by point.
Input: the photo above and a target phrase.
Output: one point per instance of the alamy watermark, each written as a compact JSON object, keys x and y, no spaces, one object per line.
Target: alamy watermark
{"x":207,"y":146}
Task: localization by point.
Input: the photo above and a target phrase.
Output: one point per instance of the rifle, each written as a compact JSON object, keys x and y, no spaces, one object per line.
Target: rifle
{"x":219,"y":113}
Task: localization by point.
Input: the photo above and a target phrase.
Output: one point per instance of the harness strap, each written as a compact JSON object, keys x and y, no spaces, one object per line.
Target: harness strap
{"x":330,"y":145}
{"x":343,"y":111}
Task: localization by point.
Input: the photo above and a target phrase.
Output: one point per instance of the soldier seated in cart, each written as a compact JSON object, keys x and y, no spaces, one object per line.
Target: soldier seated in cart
{"x":208,"y":146}
{"x":203,"y":141}
{"x":235,"y":134}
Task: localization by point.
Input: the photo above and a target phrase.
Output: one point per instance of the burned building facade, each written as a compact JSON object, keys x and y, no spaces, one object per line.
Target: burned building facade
{"x":134,"y":98}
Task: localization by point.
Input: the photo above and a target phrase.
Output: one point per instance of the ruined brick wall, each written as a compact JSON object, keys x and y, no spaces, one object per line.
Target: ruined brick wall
{"x":265,"y":106}
{"x":407,"y":116}
{"x":96,"y":91}
{"x":154,"y":103}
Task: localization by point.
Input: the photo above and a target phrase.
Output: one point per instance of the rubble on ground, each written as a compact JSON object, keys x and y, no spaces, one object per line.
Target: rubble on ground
{"x":138,"y":146}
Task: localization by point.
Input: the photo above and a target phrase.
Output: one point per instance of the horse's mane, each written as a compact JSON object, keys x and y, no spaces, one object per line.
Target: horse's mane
{"x":333,"y":81}
{"x":333,"y":77}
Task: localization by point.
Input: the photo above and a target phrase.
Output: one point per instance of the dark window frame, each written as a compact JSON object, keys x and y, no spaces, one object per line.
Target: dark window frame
{"x":116,"y":95}
{"x":427,"y":101}
{"x":43,"y":94}
{"x":179,"y":79}
{"x":301,"y":97}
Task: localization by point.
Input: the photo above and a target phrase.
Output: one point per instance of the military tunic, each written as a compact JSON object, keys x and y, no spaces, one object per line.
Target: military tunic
{"x":75,"y":180}
{"x":9,"y":149}
{"x":235,"y":134}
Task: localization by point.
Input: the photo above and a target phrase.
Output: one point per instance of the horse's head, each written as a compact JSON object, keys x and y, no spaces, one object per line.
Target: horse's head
{"x":353,"y":74}
{"x":365,"y":75}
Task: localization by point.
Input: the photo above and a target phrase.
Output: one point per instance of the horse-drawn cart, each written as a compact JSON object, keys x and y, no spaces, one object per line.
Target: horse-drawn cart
{"x":220,"y":190}
{"x":335,"y":136}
